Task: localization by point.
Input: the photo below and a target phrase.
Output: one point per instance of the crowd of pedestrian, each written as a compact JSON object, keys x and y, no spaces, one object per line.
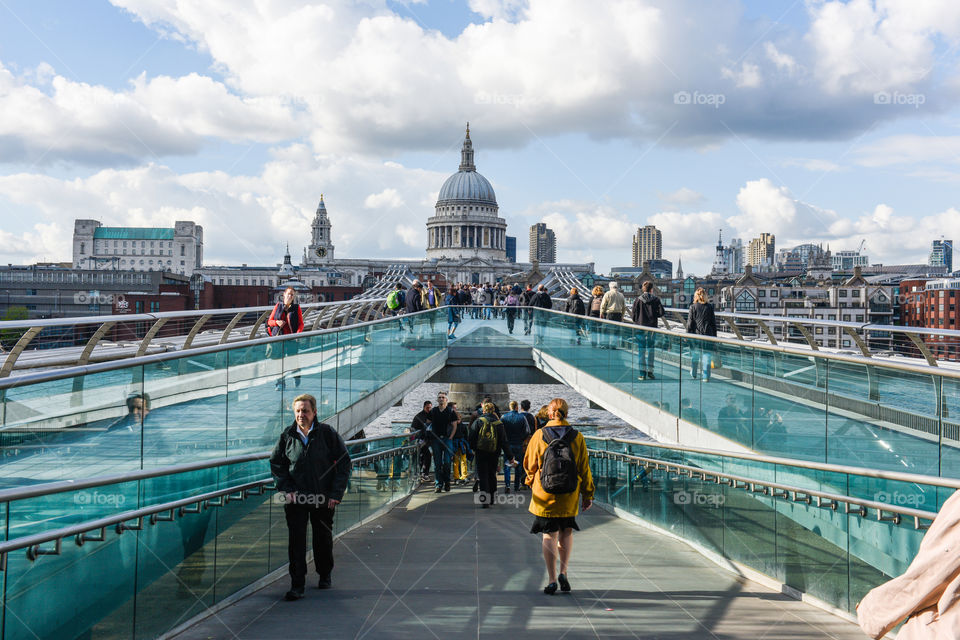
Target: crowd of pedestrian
{"x":510,"y":302}
{"x":547,"y":457}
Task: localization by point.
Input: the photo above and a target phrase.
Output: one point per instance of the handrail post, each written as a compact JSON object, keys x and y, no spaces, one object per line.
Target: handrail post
{"x":806,"y":335}
{"x":94,"y":340}
{"x":195,"y":330}
{"x":256,"y":325}
{"x":230,"y":326}
{"x":150,"y":335}
{"x":22,"y":343}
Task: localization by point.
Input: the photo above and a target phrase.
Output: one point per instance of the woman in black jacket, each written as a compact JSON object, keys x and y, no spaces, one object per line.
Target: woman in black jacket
{"x":593,"y":311}
{"x":575,"y":306}
{"x":701,"y":321}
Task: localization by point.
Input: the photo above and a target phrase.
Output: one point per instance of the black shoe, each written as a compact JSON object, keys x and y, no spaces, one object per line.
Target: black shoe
{"x":446,"y":487}
{"x":476,"y":486}
{"x":650,"y":376}
{"x":484,"y":506}
{"x":438,"y":490}
{"x":295,"y":593}
{"x":326,"y":583}
{"x":564,"y":585}
{"x":550,"y":589}
{"x":506,"y":489}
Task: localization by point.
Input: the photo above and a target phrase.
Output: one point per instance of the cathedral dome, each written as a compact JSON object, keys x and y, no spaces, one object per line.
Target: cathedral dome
{"x":467,"y":185}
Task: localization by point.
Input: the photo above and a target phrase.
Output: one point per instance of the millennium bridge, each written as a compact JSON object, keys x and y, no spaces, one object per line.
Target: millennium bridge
{"x":774,"y":496}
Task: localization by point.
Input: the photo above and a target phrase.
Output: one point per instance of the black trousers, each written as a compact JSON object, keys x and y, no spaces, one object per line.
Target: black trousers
{"x":487,"y":472}
{"x":321,"y":518}
{"x":426,"y":455}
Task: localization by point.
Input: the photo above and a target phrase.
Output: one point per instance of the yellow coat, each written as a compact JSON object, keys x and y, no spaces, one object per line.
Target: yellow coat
{"x":551,"y":505}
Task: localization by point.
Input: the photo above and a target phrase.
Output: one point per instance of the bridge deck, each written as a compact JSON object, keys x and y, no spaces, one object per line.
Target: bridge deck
{"x":437,"y":566}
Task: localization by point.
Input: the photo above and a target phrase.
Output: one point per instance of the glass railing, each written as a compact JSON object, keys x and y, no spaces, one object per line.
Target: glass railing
{"x":204,"y":404}
{"x":161,"y":571}
{"x":806,"y":405}
{"x":775,"y":520}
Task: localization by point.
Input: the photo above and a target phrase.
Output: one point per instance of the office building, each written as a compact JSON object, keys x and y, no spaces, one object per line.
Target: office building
{"x":543,"y":244}
{"x":647,"y":245}
{"x":761,"y":252}
{"x":174,"y":250}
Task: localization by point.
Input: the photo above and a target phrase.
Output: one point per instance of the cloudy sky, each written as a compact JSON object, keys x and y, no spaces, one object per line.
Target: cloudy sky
{"x":819,"y":121}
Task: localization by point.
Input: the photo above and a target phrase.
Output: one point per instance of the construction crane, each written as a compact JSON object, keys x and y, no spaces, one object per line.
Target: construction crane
{"x":860,"y":248}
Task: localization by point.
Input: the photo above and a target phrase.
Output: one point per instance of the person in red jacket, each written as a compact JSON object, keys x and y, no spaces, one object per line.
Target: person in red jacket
{"x":287,"y":318}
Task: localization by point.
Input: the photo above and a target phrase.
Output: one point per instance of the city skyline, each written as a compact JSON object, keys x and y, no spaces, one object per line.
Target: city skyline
{"x":141,"y":112}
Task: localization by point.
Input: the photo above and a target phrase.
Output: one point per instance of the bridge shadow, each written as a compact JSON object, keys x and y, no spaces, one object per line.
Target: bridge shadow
{"x":439,"y":566}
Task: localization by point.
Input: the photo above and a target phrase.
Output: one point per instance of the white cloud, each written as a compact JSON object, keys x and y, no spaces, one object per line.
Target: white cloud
{"x":747,"y":77}
{"x":380,"y":81}
{"x":818,"y":165}
{"x":43,"y":243}
{"x":767,"y":208}
{"x":584,"y":225}
{"x":910,"y":149}
{"x":498,"y":9}
{"x":877,"y":45}
{"x":684,"y":196}
{"x":783,"y":61}
{"x":411,"y":237}
{"x":387,"y":199}
{"x":246,"y":219}
{"x":686,"y":232}
{"x":88,"y":123}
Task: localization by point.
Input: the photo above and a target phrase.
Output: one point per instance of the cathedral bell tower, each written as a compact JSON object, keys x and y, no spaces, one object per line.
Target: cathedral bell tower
{"x":320,"y":250}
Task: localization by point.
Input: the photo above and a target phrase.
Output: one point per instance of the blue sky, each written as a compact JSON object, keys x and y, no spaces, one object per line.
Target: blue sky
{"x":819,"y":121}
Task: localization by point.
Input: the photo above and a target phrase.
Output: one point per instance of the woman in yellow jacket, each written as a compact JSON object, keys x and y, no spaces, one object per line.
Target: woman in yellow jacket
{"x":555,"y":513}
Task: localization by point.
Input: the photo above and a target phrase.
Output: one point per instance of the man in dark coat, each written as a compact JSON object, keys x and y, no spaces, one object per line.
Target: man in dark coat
{"x":311,"y":467}
{"x":647,"y":311}
{"x":541,"y":300}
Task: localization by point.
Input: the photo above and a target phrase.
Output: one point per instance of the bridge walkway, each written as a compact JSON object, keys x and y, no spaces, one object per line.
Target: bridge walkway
{"x":437,"y":566}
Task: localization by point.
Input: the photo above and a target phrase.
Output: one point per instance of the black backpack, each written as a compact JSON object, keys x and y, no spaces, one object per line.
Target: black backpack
{"x":558,"y":470}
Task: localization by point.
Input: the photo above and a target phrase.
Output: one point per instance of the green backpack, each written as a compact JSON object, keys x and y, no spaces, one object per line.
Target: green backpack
{"x":393,"y":300}
{"x":487,"y":436}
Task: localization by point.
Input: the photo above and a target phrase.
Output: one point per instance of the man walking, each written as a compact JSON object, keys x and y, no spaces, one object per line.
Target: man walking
{"x":541,"y":300}
{"x":526,"y":298}
{"x":442,"y":418}
{"x":418,"y":430}
{"x":517,"y":431}
{"x":647,"y":311}
{"x":311,"y":467}
{"x":612,"y":307}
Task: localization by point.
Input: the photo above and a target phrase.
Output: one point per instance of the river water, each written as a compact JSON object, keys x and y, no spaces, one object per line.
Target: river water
{"x":537,"y":394}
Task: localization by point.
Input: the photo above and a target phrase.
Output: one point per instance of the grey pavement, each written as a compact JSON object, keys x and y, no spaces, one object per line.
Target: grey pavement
{"x":438,"y":566}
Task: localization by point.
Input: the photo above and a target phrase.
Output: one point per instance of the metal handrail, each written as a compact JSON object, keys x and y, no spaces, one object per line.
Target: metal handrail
{"x":898,"y":476}
{"x":780,"y":348}
{"x":77,"y":531}
{"x":770,"y":488}
{"x":50,"y":488}
{"x":134,"y":317}
{"x":69,"y":372}
{"x":863,"y":326}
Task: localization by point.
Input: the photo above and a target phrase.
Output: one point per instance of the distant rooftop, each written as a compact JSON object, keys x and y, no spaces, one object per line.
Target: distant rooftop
{"x":132,"y":233}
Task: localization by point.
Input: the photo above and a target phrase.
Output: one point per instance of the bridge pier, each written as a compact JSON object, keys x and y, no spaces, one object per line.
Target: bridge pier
{"x":469,"y":395}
